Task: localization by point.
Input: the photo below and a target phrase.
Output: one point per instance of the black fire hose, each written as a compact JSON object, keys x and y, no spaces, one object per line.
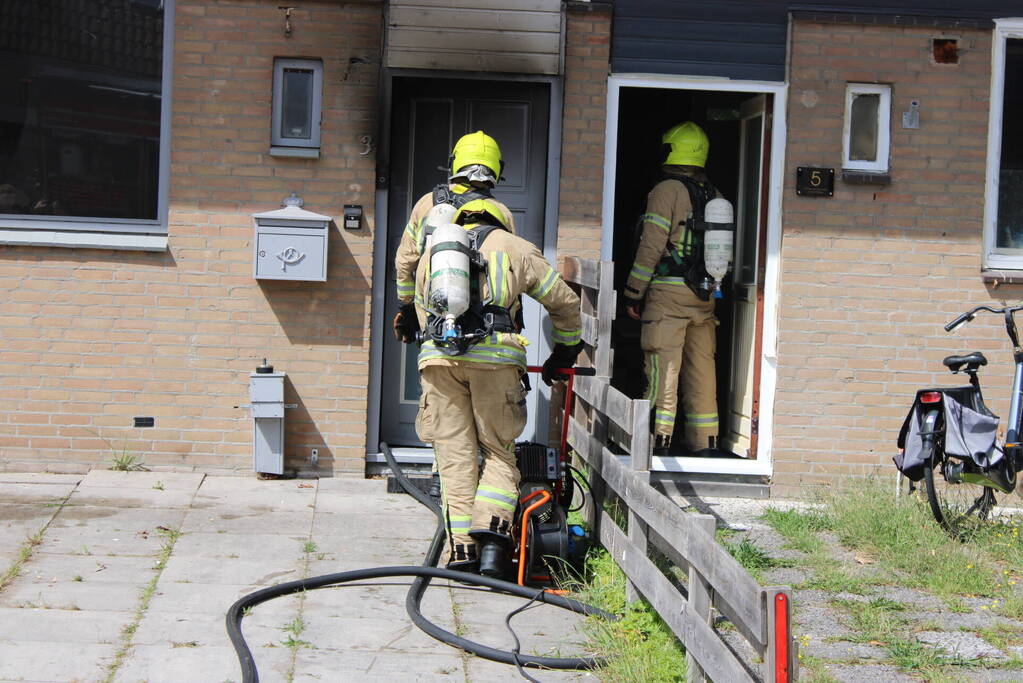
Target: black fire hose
{"x":423,"y":576}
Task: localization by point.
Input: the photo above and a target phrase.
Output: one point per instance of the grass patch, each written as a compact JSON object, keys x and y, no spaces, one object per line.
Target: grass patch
{"x":799,"y":528}
{"x":24,"y":553}
{"x":903,"y":536}
{"x":639,"y":646}
{"x":752,"y":558}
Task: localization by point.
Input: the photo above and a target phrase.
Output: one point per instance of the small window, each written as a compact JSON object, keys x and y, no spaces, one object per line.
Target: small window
{"x":865,"y":139}
{"x":297,"y":95}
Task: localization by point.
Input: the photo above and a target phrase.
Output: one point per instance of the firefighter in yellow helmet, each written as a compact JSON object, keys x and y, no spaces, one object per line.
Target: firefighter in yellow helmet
{"x":474,"y":398}
{"x":667,"y":289}
{"x":475,"y":167}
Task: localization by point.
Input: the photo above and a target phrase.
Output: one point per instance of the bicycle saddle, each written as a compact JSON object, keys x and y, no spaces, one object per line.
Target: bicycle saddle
{"x":955,"y":363}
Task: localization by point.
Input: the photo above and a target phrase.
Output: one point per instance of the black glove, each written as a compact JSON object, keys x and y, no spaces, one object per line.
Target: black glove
{"x":561,"y":357}
{"x":406,"y":324}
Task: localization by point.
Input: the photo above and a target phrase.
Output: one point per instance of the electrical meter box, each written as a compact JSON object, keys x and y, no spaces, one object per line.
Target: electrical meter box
{"x":290,"y":243}
{"x":266,"y":396}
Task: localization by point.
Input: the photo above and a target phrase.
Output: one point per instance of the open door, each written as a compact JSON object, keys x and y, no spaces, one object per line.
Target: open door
{"x":740,"y":428}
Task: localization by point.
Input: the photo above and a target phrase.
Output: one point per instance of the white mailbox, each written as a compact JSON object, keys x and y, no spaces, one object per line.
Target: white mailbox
{"x":290,"y":243}
{"x":266,"y":393}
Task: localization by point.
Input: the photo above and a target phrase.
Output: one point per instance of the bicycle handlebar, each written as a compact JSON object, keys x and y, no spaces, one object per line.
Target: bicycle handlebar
{"x":1006,"y":311}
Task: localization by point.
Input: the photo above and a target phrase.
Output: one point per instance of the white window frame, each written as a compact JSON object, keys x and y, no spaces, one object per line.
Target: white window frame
{"x":995,"y":257}
{"x":281,"y":146}
{"x":764,"y":464}
{"x":884,"y":122}
{"x":82,"y":232}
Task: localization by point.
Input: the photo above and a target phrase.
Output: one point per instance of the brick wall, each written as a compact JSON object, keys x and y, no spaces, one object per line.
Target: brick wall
{"x":870,"y":276}
{"x":587,"y":50}
{"x":92,"y":338}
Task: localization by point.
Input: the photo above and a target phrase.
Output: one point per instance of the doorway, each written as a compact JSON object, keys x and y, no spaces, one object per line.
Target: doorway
{"x":428,"y":116}
{"x":738,"y":120}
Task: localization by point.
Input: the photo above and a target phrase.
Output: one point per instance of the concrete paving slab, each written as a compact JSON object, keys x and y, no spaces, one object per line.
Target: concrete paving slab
{"x":238,"y":521}
{"x":53,"y":568}
{"x":170,"y":629}
{"x":542,"y":629}
{"x":42,"y":625}
{"x":199,"y":598}
{"x":19,"y":522}
{"x":960,"y":644}
{"x":375,"y":666}
{"x":332,"y":629}
{"x":344,"y":552}
{"x":227,"y":485}
{"x":873,"y":673}
{"x":72,"y":595}
{"x":398,"y":528}
{"x":84,"y":530}
{"x":54,"y":661}
{"x":34,"y":493}
{"x":231,"y":571}
{"x":170,"y":481}
{"x":283,"y":549}
{"x":168,"y":664}
{"x":377,"y":500}
{"x":103,"y":496}
{"x":39,"y":478}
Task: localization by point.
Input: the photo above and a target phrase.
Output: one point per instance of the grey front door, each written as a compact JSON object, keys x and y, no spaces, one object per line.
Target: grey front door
{"x":428,"y":116}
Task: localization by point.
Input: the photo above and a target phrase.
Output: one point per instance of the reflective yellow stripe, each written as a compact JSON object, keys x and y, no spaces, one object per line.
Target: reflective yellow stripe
{"x":545,"y":285}
{"x":660,"y":221}
{"x":495,"y":496}
{"x":570,"y":338}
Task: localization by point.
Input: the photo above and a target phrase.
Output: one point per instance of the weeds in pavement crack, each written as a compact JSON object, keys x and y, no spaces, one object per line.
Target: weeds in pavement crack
{"x":170,"y":537}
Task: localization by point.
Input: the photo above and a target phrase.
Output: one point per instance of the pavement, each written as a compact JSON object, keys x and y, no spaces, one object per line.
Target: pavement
{"x":127,"y":576}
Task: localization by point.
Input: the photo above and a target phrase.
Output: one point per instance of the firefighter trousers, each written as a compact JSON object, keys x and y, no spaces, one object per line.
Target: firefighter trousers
{"x":468,"y":411}
{"x":679,"y":337}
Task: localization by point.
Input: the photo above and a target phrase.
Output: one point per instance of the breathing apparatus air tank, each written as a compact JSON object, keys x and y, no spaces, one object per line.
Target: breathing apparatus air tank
{"x":718,"y":240}
{"x":449,"y":275}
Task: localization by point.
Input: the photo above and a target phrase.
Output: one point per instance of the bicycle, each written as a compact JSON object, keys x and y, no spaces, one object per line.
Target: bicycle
{"x":949,"y":438}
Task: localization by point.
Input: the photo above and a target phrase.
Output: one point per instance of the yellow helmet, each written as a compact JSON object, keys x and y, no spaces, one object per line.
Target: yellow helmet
{"x":689,"y":145}
{"x":477,"y":148}
{"x":480,"y":211}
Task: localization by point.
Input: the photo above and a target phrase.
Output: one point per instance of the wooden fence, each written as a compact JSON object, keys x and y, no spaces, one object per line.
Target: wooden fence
{"x":610,"y":433}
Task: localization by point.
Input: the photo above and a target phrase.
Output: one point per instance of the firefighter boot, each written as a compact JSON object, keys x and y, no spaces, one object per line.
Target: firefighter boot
{"x":662,"y":445}
{"x":434,"y":490}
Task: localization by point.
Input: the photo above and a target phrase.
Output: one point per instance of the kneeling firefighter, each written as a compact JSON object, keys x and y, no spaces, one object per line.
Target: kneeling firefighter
{"x":472,"y":362}
{"x":475,"y":166}
{"x":685,"y":249}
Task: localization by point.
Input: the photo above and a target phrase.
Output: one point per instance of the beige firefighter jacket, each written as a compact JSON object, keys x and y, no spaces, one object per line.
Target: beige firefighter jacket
{"x":514,"y":267}
{"x":667,"y":208}
{"x":407,"y":257}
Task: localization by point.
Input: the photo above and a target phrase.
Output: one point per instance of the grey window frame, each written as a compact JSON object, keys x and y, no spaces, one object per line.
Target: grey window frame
{"x":110,"y":233}
{"x":280,"y":145}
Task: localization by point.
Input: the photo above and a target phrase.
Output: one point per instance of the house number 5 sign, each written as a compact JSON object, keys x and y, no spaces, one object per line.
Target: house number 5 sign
{"x":815,"y":182}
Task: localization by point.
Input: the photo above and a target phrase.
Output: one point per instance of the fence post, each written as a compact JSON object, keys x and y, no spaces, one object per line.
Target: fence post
{"x":700,"y":596}
{"x":781,"y":660}
{"x":639,"y":449}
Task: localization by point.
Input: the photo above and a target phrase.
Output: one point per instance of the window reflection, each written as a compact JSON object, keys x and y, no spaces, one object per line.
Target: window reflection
{"x":80,"y":115}
{"x":863,"y":127}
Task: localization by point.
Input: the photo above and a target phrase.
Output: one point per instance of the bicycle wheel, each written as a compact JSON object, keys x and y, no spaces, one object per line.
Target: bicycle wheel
{"x":958,"y":507}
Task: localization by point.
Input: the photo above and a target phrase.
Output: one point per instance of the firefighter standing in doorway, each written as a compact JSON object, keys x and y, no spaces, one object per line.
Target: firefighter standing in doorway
{"x":474,"y":399}
{"x":667,"y":290}
{"x":475,"y":169}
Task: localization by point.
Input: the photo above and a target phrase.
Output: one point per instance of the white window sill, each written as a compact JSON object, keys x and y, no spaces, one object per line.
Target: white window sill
{"x":296,"y":152}
{"x":83,"y":240}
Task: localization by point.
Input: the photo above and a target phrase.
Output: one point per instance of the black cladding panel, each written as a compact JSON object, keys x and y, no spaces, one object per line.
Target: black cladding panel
{"x":745,"y":39}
